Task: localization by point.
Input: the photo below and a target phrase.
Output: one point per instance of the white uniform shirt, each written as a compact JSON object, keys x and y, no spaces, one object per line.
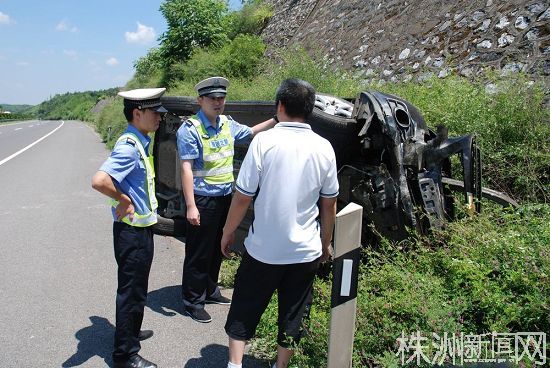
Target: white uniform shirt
{"x":289,"y":167}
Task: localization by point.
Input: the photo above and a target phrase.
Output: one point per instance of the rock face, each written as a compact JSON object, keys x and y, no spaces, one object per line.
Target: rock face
{"x":404,"y":39}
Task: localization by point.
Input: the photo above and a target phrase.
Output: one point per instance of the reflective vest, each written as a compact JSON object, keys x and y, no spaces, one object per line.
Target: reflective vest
{"x":149,"y":218}
{"x":217,"y":153}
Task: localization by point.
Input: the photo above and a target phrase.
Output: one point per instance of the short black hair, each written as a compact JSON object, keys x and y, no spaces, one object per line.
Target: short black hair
{"x":297,"y":96}
{"x":129,"y":113}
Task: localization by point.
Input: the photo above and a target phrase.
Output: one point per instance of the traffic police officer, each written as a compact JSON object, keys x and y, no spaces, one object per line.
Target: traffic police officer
{"x":127,"y":177}
{"x":206,"y":147}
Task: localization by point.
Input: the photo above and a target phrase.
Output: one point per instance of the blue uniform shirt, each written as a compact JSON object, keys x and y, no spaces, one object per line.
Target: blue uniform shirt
{"x":190,"y":148}
{"x":128,"y":170}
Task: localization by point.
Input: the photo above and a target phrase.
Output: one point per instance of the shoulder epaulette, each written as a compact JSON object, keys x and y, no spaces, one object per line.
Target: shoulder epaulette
{"x":130,"y":141}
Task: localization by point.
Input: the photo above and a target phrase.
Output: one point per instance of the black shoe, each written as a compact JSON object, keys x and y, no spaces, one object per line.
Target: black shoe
{"x":222,"y":300}
{"x":145,"y":334}
{"x":135,"y":361}
{"x":199,"y":315}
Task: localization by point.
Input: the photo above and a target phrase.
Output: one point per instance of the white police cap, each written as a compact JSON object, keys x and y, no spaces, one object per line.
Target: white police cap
{"x":212,"y":87}
{"x":144,"y":98}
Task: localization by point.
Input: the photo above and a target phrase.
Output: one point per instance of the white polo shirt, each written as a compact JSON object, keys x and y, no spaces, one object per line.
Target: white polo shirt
{"x":289,"y":167}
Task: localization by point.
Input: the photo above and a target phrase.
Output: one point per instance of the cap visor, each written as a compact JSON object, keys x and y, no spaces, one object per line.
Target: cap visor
{"x":159,"y":109}
{"x":215,"y":94}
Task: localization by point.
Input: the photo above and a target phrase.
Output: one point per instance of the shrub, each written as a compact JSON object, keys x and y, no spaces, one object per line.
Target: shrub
{"x":148,"y":65}
{"x":191,"y":24}
{"x":242,"y":57}
{"x":111,"y":123}
{"x":251,"y":19}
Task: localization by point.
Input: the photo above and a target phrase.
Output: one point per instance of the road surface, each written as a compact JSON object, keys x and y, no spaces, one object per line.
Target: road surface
{"x":57,"y":269}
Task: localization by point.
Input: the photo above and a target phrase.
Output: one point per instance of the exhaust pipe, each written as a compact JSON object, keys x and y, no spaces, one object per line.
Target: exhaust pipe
{"x":402,"y":117}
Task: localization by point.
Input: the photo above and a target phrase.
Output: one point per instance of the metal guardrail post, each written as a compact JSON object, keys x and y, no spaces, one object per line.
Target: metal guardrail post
{"x":347,"y":242}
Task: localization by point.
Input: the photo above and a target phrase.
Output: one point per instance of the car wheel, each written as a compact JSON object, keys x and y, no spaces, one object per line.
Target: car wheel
{"x":331,"y":119}
{"x":169,"y":227}
{"x":180,"y":105}
{"x":332,"y":113}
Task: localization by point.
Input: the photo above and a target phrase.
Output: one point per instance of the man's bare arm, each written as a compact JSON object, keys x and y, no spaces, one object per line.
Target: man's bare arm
{"x":327,"y":211}
{"x":237,"y":211}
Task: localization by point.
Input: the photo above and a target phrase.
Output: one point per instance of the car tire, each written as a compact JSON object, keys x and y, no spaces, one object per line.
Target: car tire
{"x":331,"y":123}
{"x":340,"y":131}
{"x":180,"y":105}
{"x":169,"y":227}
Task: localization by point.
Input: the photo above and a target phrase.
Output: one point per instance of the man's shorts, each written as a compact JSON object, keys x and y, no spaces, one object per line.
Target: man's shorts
{"x":255,"y":283}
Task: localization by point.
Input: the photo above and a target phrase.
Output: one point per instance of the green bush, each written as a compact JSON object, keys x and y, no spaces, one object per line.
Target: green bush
{"x":148,"y":65}
{"x":251,"y":19}
{"x":240,"y":58}
{"x":72,"y":106}
{"x":294,"y":63}
{"x":111,"y":123}
{"x":150,"y":71}
{"x":191,"y":24}
{"x":15,"y":116}
{"x":497,"y":265}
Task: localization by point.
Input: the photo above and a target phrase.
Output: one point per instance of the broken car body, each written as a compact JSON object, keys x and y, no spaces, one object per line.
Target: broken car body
{"x":388,"y":161}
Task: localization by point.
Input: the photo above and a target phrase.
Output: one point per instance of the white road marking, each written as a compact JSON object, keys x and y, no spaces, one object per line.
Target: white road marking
{"x":18,"y":128}
{"x":30,"y":145}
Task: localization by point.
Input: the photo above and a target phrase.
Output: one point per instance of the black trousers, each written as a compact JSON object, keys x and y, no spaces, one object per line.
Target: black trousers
{"x":203,"y":258}
{"x":255,"y":284}
{"x":134,"y":250}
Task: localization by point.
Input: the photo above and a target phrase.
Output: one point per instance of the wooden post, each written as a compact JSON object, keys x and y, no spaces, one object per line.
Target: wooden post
{"x":347,"y":242}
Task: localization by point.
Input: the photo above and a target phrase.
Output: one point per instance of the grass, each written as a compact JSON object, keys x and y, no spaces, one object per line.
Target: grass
{"x":482,"y":273}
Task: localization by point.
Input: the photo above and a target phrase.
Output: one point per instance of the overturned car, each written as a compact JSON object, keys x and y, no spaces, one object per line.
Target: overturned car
{"x":388,"y":161}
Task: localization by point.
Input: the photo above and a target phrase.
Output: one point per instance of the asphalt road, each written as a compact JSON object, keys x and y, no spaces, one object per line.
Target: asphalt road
{"x":57,"y":269}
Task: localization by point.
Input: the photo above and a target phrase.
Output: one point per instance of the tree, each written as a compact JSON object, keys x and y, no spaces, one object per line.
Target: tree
{"x":148,"y":64}
{"x":191,"y":24}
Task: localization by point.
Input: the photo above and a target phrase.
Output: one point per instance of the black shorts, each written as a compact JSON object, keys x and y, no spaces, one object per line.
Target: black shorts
{"x":255,"y":283}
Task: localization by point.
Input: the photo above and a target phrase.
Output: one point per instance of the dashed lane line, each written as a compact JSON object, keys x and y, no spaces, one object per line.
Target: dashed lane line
{"x":30,"y":145}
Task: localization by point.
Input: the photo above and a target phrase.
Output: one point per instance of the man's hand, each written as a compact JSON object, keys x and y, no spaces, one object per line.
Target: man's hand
{"x":227,"y":240}
{"x":327,"y":253}
{"x":124,"y":208}
{"x":193,"y":215}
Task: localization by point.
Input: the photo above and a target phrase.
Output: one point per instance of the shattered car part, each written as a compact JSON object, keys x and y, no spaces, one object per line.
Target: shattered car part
{"x":388,"y":161}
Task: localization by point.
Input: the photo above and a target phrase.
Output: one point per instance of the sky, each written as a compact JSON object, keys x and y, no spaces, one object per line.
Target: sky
{"x":50,"y":47}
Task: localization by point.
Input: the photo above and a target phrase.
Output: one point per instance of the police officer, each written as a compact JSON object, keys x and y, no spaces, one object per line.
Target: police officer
{"x":206,"y":147}
{"x":127,"y":177}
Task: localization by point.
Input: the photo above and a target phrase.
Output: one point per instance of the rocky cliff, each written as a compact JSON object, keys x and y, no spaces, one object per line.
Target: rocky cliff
{"x":401,"y":40}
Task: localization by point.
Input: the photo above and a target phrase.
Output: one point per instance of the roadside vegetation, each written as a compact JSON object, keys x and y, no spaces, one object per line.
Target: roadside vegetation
{"x":483,"y":273}
{"x":72,"y":105}
{"x":14,"y":112}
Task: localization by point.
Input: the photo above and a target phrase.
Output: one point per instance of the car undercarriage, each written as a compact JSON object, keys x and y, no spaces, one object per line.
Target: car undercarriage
{"x":388,"y":160}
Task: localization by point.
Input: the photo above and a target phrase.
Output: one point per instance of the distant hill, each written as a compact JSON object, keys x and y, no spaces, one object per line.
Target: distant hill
{"x":72,"y":106}
{"x":14,"y":109}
